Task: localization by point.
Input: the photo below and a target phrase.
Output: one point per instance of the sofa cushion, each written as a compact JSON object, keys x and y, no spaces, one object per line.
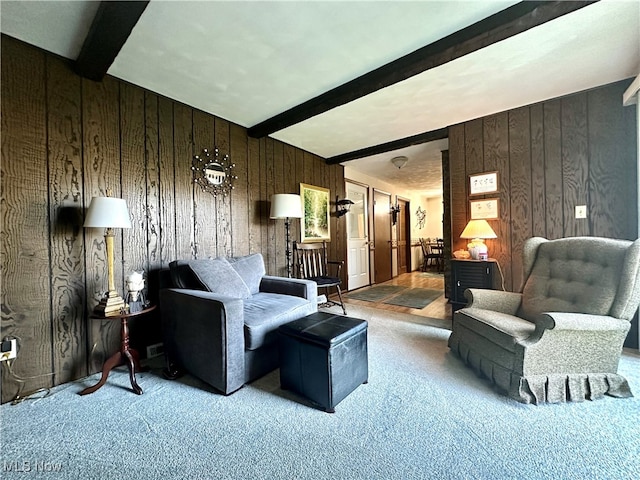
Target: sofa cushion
{"x":251,"y":270}
{"x":499,"y":328}
{"x":572,"y":277}
{"x":183,"y":277}
{"x":265,"y":312}
{"x":216,"y":275}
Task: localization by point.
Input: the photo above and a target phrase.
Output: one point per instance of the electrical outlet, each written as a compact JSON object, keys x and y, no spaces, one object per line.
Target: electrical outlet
{"x":9,"y":349}
{"x":581,"y":211}
{"x":155,"y":350}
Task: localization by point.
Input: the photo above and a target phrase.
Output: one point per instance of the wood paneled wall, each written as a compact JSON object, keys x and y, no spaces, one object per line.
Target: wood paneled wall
{"x":552,"y":156}
{"x":66,"y":139}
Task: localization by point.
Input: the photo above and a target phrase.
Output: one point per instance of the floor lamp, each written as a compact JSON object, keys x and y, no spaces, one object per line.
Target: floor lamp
{"x":108,"y":213}
{"x":287,"y":206}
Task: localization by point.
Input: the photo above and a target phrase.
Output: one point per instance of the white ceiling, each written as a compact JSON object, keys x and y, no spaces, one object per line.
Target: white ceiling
{"x":248,"y":61}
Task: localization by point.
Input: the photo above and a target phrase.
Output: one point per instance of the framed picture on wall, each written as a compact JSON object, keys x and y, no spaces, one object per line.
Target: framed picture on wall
{"x":315,"y":211}
{"x":486,"y":209}
{"x":483,"y":183}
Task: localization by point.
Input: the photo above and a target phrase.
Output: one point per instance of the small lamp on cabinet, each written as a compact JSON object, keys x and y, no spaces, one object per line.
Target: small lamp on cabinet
{"x":477,"y":231}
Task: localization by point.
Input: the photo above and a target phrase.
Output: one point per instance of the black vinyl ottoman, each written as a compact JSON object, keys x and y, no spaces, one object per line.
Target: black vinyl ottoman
{"x":323,"y":357}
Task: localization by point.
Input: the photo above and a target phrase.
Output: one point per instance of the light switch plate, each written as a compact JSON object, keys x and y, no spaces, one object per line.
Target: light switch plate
{"x":581,"y":211}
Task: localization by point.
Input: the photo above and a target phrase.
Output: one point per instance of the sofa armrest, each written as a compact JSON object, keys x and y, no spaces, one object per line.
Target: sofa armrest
{"x":576,"y":342}
{"x":580,"y":322}
{"x":204,"y":333}
{"x":290,"y":286}
{"x":496,"y":300}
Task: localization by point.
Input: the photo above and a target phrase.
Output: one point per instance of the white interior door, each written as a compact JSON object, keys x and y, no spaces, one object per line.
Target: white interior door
{"x":357,"y":237}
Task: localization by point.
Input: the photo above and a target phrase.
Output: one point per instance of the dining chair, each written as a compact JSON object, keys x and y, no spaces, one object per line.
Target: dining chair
{"x":425,"y":254}
{"x":311,"y":263}
{"x":432,"y":254}
{"x":438,"y":251}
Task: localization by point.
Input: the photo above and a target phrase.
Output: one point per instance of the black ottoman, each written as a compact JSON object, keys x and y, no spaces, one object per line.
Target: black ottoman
{"x":323,"y":357}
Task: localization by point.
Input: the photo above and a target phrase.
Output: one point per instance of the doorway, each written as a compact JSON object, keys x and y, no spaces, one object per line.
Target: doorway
{"x":357,"y":236}
{"x":403,"y":232}
{"x":382,"y":236}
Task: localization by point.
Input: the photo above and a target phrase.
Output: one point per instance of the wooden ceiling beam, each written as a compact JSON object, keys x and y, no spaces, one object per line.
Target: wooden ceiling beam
{"x":390,"y":146}
{"x":110,"y":29}
{"x":500,"y":26}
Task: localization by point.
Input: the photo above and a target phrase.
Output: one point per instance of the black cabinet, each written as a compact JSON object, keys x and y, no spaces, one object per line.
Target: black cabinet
{"x":470,"y":274}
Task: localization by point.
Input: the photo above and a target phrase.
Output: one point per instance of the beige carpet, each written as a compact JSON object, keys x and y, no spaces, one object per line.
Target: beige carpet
{"x":423,"y":415}
{"x":369,"y":313}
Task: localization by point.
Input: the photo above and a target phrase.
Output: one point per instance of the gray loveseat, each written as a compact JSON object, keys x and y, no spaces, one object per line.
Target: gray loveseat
{"x":220,"y":320}
{"x":561,"y":338}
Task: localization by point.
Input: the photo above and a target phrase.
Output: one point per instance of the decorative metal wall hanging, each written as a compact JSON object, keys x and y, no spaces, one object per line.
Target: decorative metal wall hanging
{"x":421,"y":216}
{"x":212,"y":173}
{"x":394,"y":210}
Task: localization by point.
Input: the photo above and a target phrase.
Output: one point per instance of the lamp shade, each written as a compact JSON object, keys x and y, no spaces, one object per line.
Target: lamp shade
{"x":107,"y":212}
{"x":478,"y":229}
{"x":285,"y":205}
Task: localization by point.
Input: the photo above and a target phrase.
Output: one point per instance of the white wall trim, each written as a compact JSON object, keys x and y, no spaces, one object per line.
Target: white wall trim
{"x":630,"y":95}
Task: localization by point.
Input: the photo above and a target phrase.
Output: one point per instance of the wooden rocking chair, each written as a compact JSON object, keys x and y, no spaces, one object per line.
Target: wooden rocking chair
{"x":310,"y":263}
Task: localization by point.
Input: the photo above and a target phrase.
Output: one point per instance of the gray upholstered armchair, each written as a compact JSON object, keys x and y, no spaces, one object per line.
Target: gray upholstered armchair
{"x":561,"y":338}
{"x":220,"y":320}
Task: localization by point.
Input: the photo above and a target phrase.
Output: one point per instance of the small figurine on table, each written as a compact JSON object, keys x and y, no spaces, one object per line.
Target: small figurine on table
{"x":135,"y":297}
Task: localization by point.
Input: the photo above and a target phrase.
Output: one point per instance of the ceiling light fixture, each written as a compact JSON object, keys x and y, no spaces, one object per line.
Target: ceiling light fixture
{"x":400,"y":161}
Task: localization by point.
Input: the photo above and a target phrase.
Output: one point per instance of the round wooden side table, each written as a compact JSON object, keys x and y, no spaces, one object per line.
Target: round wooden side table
{"x":126,"y":355}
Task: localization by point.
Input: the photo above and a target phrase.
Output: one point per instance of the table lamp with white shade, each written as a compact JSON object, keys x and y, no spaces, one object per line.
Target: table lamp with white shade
{"x":108,"y":213}
{"x":478,"y":230}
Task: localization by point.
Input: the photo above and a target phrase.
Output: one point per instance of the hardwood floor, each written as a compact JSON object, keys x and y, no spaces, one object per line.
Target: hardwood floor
{"x":439,"y":308}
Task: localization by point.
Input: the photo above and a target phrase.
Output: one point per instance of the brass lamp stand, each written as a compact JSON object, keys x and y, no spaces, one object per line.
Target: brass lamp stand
{"x":112,"y":302}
